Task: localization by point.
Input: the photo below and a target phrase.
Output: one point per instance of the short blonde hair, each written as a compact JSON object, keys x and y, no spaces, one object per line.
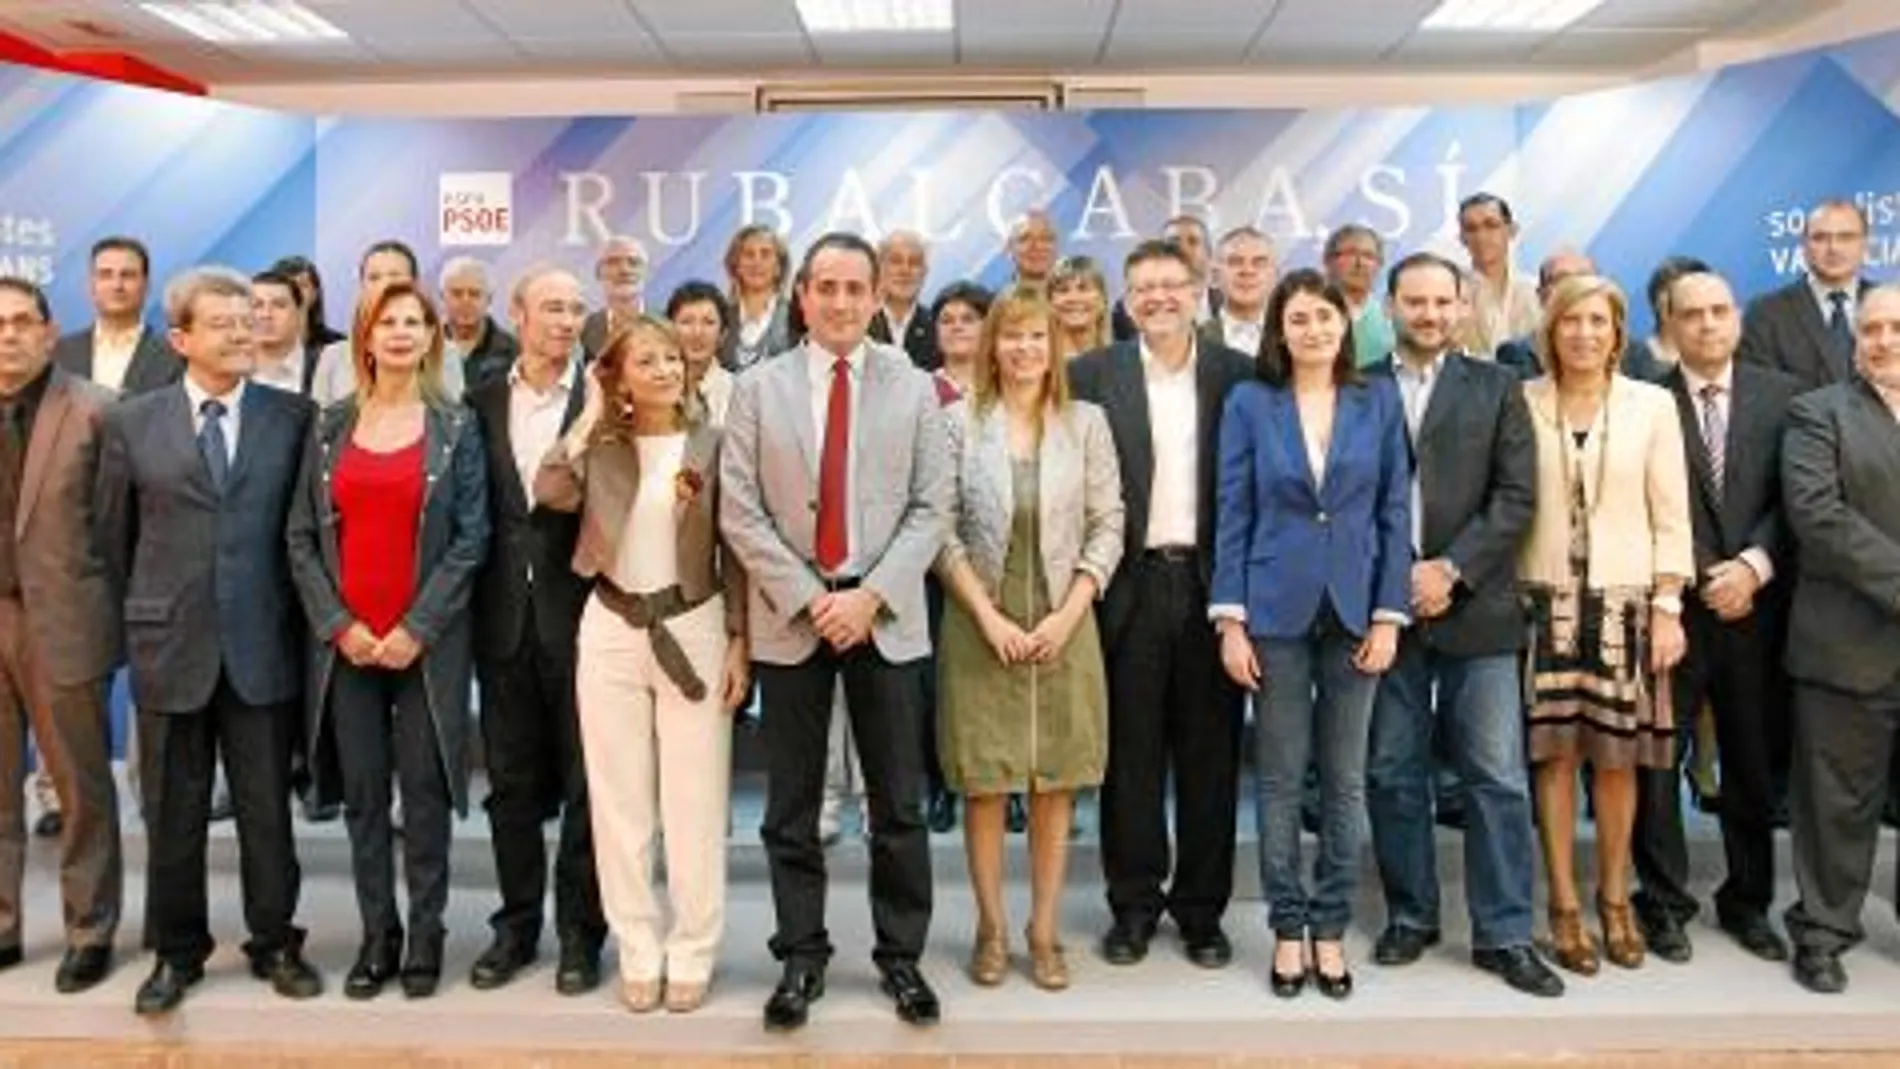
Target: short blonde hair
{"x":1567,"y":294}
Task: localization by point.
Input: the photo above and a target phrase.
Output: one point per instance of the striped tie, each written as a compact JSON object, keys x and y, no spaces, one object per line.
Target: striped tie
{"x":1714,"y":429}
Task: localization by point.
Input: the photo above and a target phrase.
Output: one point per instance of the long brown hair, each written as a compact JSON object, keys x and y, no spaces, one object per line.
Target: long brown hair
{"x":610,"y":368}
{"x":368,"y":310}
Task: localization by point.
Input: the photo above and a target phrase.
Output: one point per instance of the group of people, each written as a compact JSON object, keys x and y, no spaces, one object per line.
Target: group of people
{"x":1023,"y":544}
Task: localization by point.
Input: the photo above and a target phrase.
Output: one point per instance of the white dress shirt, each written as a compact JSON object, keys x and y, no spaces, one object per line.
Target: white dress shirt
{"x":818,"y":365}
{"x":715,"y":389}
{"x":649,"y":557}
{"x":1242,"y":334}
{"x":232,"y":400}
{"x":1174,"y":427}
{"x":285,"y":374}
{"x":751,"y":330}
{"x":1754,"y":556}
{"x":112,"y":355}
{"x":1415,"y":391}
{"x":1823,"y":297}
{"x":534,"y":419}
{"x":900,"y":328}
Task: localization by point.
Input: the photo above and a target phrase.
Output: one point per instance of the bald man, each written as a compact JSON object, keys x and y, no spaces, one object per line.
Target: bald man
{"x":621,"y":270}
{"x":903,"y":264}
{"x":528,"y":604}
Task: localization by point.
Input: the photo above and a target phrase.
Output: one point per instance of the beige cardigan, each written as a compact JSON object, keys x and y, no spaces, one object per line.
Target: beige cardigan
{"x":1640,"y":529}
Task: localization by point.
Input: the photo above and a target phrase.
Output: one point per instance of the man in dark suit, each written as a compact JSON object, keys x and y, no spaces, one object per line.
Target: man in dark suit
{"x":59,"y":635}
{"x":1732,"y":419}
{"x":283,"y":360}
{"x":1840,"y":471}
{"x":1806,"y":328}
{"x":195,"y":482}
{"x":901,"y":318}
{"x":528,"y":604}
{"x":1189,"y":234}
{"x":1474,"y":490}
{"x":469,"y":333}
{"x":1173,"y":714}
{"x":118,"y":350}
{"x":621,"y":270}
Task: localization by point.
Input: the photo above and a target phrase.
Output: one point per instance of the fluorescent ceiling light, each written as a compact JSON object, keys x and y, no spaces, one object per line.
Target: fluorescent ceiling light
{"x":258,"y":22}
{"x":1507,"y":16}
{"x":875,"y":16}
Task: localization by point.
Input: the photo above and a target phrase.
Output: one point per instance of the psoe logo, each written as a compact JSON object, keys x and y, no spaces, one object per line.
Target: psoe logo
{"x":476,"y":208}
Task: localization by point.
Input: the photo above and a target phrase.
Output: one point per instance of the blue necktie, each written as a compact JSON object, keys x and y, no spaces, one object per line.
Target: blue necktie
{"x":211,"y":442}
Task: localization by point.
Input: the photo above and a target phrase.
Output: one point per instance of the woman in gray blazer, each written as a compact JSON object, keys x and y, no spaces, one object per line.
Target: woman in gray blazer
{"x":1036,"y":533}
{"x":757,"y":262}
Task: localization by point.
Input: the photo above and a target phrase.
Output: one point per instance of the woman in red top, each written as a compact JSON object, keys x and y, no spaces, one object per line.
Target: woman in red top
{"x":385,"y":538}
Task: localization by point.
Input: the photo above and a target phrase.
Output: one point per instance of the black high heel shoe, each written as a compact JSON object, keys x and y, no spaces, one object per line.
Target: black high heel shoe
{"x":1333,"y":987}
{"x":1284,"y":985}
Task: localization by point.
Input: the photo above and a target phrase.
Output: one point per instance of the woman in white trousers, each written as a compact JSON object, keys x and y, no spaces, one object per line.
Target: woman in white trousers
{"x":662,"y":659}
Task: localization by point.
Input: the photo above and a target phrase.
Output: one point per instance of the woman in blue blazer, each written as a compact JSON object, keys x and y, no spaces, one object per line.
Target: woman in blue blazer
{"x":1311,"y":557}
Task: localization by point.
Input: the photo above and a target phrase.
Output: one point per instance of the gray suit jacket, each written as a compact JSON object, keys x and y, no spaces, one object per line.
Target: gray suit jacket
{"x":1783,"y":329}
{"x":1079,"y":510}
{"x":154,"y":364}
{"x":72,"y":617}
{"x":1840,"y":477}
{"x":769,"y":510}
{"x":205,"y":577}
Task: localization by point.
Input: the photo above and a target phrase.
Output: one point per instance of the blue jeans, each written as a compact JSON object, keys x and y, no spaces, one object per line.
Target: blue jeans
{"x":1480,"y":710}
{"x":1313,"y":704}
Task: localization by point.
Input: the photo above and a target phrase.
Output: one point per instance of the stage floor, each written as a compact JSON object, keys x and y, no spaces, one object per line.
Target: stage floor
{"x":1726,"y":1007}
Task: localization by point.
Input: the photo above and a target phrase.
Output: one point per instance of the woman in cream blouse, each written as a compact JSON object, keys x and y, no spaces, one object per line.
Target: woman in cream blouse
{"x":1602,"y":569}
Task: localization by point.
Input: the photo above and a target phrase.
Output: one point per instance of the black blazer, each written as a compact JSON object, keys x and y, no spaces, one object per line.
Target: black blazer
{"x":1784,"y":330}
{"x":1744,"y":510}
{"x":1839,"y":458}
{"x":1113,"y":379}
{"x":492,"y":358}
{"x":920,"y":337}
{"x":205,"y":577}
{"x":1476,"y":458}
{"x":154,"y":363}
{"x":530,"y":565}
{"x":1122,"y":325}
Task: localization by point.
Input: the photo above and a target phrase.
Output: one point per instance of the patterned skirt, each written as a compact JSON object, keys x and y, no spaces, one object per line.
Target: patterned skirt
{"x":1591,"y":694}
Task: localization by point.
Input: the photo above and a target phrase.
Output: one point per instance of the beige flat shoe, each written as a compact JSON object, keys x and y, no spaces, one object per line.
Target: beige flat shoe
{"x":685,"y":996}
{"x":1048,"y":967}
{"x":989,"y":959}
{"x":641,"y":996}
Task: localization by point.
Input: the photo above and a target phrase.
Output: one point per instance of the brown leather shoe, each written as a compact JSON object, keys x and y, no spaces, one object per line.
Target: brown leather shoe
{"x":1048,"y":969}
{"x":1622,"y":940}
{"x":1570,"y":946}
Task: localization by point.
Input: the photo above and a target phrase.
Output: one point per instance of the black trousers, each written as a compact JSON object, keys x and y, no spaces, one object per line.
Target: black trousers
{"x":1843,"y":757}
{"x":1171,"y":712}
{"x":884,"y":703}
{"x":927,"y":677}
{"x":382,"y":726}
{"x":1735,"y":669}
{"x":179,"y":752}
{"x":535,"y":772}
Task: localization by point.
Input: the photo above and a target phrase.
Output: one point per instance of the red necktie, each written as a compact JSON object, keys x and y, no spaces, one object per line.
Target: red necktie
{"x":833,"y":537}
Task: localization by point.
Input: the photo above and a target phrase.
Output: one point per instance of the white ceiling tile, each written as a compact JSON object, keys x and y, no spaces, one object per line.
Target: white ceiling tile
{"x":542,"y":20}
{"x":985,"y":19}
{"x":1232,"y":17}
{"x":410,"y":23}
{"x":606,"y":47}
{"x":885,"y":49}
{"x":1499,"y":49}
{"x":667,"y":17}
{"x":1031,"y":50}
{"x":1189,"y":49}
{"x":1613,"y":48}
{"x":729,"y":49}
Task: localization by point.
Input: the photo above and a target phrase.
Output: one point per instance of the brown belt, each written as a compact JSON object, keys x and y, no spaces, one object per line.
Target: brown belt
{"x":650,"y":612}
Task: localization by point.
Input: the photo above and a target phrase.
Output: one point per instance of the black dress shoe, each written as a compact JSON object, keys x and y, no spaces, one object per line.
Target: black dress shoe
{"x":10,"y":956}
{"x":289,"y":975}
{"x":49,"y":825}
{"x":1127,"y":942}
{"x":1285,"y":985}
{"x":165,"y":988}
{"x":504,"y":957}
{"x":1338,"y":988}
{"x":1665,"y":935}
{"x":942,"y":814}
{"x":579,"y":970}
{"x":790,"y":1004}
{"x":1521,"y":968}
{"x":81,"y":968}
{"x":1016,"y":816}
{"x":422,"y":966}
{"x":916,"y":1003}
{"x":1819,"y":971}
{"x":1756,"y":936}
{"x":376,"y":965}
{"x":1209,"y":949}
{"x":1399,"y":945}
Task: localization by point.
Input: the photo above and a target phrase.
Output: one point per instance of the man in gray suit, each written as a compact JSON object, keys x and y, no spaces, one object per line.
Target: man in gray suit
{"x":59,"y":635}
{"x":1840,"y":468}
{"x":1806,"y":328}
{"x":836,"y":488}
{"x":195,"y":483}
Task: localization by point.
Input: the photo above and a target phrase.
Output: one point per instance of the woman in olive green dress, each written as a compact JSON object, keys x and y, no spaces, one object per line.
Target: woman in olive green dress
{"x":1036,"y":532}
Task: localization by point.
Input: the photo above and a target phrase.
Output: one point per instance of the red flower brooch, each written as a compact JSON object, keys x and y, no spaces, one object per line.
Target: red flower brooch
{"x":687,"y":484}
